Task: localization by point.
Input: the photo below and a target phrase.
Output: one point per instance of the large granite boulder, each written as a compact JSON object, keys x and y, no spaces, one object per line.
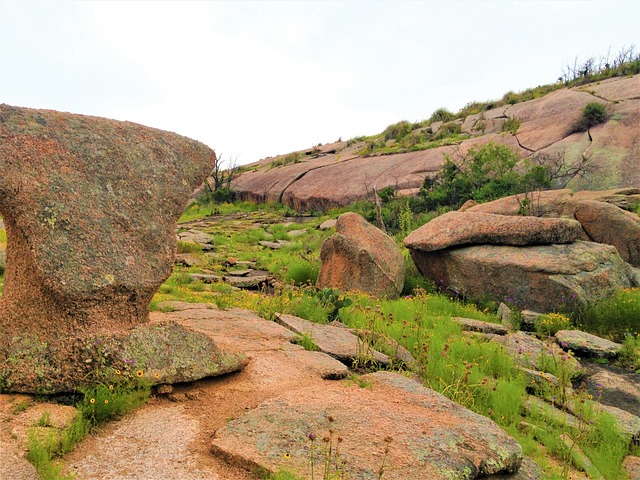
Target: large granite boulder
{"x":90,"y":207}
{"x":361,"y":257}
{"x":397,"y":427}
{"x":606,"y":223}
{"x":542,"y":278}
{"x":465,"y":228}
{"x":604,"y":215}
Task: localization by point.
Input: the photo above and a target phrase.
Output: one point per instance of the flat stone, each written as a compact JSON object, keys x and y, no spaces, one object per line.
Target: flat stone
{"x":468,"y":228}
{"x":587,"y":344}
{"x":552,"y":414}
{"x":613,"y":386}
{"x":324,"y":365}
{"x":196,"y":236}
{"x":471,"y":325}
{"x":160,"y":352}
{"x":253,"y":281}
{"x":206,"y":278}
{"x":579,"y":459}
{"x":428,"y":435}
{"x":271,"y":245}
{"x":296,"y":233}
{"x":527,"y":351}
{"x":188,"y":260}
{"x":335,"y":341}
{"x":328,"y":224}
{"x":240,"y":273}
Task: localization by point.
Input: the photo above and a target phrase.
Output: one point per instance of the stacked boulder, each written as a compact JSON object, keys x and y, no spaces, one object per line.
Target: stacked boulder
{"x":570,"y":249}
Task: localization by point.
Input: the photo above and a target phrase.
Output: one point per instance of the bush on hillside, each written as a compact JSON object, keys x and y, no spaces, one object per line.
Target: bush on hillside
{"x":397,"y":130}
{"x":592,"y":114}
{"x":483,"y":174}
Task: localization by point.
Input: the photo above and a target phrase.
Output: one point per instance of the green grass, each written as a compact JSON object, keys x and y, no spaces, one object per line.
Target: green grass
{"x":613,"y":317}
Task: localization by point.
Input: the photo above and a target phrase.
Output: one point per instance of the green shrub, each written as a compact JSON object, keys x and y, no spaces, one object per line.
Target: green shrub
{"x":592,"y":114}
{"x":484,"y":174}
{"x":441,"y":115}
{"x":448,"y":130}
{"x":551,"y":323}
{"x":301,"y":272}
{"x":397,"y":130}
{"x":188,"y":247}
{"x":511,"y":124}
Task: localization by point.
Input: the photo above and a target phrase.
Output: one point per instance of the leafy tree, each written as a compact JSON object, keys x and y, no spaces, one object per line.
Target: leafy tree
{"x":483,"y":174}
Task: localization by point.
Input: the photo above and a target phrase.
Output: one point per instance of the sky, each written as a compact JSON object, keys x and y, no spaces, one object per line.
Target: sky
{"x":262,"y":78}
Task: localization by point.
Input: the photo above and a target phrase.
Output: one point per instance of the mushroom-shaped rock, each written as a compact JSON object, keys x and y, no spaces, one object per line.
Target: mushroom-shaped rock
{"x":465,"y":228}
{"x":90,"y":207}
{"x":361,"y":257}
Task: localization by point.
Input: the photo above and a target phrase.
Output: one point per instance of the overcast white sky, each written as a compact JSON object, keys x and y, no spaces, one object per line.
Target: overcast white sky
{"x":256,"y":79}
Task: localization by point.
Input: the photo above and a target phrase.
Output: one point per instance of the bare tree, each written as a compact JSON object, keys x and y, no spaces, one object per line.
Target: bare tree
{"x":223,"y":173}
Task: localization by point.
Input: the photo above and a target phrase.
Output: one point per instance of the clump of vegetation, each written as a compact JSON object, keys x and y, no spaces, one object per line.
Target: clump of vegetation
{"x":592,"y":114}
{"x":613,"y":317}
{"x":511,"y":125}
{"x":551,"y":323}
{"x":397,"y":131}
{"x":295,"y":157}
{"x":121,"y":392}
{"x":483,"y":174}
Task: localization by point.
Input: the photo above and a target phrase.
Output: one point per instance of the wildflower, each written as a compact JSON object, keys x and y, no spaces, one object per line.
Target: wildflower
{"x":139,"y":373}
{"x":106,"y":401}
{"x":110,"y":387}
{"x":311,"y":436}
{"x":286,"y":455}
{"x":93,"y":400}
{"x":118,"y":372}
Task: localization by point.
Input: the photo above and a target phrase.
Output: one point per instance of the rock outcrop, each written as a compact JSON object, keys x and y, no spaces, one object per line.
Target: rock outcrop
{"x":90,"y":207}
{"x":465,"y":228}
{"x":604,"y":215}
{"x":361,"y":257}
{"x":340,"y":173}
{"x":540,"y":278}
{"x":424,"y":434}
{"x":540,"y":263}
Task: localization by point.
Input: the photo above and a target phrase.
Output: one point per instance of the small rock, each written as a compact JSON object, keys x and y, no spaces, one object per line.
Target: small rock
{"x":328,"y":224}
{"x":296,"y":233}
{"x":506,"y":315}
{"x":256,"y":280}
{"x":239,"y":273}
{"x":188,"y":260}
{"x":205,"y":278}
{"x":164,"y":389}
{"x":324,"y":365}
{"x":587,"y":344}
{"x":177,"y":397}
{"x":271,"y":245}
{"x":530,"y":319}
{"x":471,"y":325}
{"x":335,"y":341}
{"x":631,"y":465}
